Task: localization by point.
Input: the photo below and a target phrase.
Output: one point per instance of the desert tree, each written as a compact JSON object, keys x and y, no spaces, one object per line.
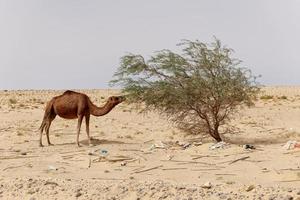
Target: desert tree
{"x":199,"y":89}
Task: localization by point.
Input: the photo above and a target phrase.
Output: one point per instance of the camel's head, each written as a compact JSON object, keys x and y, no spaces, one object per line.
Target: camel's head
{"x":115,"y":100}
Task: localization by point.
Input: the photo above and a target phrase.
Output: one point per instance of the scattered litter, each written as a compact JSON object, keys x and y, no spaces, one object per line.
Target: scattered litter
{"x":159,"y":145}
{"x":239,"y":159}
{"x":197,"y":143}
{"x":103,"y":159}
{"x":170,"y":157}
{"x":145,"y":170}
{"x":291,"y":144}
{"x":186,"y":145}
{"x":152,"y":147}
{"x":123,"y":163}
{"x":195,"y":157}
{"x":103,"y":152}
{"x":51,"y":167}
{"x":248,"y":146}
{"x":207,"y":185}
{"x":219,"y":145}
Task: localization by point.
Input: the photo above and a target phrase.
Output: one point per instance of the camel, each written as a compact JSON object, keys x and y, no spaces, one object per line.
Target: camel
{"x":72,"y":105}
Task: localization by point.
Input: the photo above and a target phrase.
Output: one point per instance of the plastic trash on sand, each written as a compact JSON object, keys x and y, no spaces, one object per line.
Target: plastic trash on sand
{"x":248,"y":146}
{"x":51,"y":167}
{"x":219,"y":145}
{"x":103,"y":152}
{"x":291,"y":144}
{"x":159,"y":145}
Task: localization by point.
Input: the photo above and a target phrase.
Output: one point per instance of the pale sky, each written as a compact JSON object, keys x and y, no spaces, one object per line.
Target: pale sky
{"x":68,"y":44}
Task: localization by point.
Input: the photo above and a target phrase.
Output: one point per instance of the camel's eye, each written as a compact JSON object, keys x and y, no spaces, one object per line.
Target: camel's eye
{"x":110,"y":98}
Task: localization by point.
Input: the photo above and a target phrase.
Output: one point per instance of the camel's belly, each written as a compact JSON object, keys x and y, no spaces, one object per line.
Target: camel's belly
{"x":67,"y":116}
{"x":66,"y":112}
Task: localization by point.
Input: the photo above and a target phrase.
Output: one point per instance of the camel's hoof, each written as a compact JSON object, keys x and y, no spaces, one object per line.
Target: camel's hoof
{"x":50,"y":144}
{"x":78,"y":145}
{"x":41,"y":145}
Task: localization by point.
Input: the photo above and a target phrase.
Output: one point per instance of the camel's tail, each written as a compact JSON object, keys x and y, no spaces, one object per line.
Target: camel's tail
{"x":46,"y":115}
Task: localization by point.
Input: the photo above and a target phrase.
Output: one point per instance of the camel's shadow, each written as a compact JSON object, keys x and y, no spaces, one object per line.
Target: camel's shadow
{"x":94,"y":142}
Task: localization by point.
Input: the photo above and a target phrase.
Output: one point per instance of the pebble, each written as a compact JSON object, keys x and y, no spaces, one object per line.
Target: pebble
{"x":192,"y":189}
{"x":288,"y":197}
{"x":78,"y":194}
{"x":207,"y":185}
{"x":31,"y":191}
{"x":249,"y":188}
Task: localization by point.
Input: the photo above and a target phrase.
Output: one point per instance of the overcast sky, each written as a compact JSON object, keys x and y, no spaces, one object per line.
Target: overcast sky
{"x":61,"y":44}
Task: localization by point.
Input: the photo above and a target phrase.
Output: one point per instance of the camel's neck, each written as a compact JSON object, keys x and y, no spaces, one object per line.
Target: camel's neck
{"x":100,"y":111}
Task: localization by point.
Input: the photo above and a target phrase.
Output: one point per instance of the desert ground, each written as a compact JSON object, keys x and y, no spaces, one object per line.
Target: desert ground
{"x":143,"y":156}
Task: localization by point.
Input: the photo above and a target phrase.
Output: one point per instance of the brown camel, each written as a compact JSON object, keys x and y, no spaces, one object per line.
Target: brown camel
{"x":72,"y":105}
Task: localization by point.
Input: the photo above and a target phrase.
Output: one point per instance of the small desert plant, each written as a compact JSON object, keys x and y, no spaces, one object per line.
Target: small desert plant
{"x":199,"y":89}
{"x":283,"y":97}
{"x":21,"y":105}
{"x":12,"y":101}
{"x":266,"y":97}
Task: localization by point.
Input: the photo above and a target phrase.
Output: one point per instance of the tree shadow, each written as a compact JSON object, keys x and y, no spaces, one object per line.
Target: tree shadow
{"x":258,"y":141}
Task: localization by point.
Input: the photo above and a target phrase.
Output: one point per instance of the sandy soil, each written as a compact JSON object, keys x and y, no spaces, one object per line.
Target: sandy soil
{"x":142,"y":156}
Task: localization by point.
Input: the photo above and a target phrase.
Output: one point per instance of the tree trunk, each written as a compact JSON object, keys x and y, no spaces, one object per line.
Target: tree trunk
{"x":216,"y":135}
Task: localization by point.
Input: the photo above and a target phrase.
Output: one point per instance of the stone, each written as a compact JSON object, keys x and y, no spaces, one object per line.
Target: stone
{"x":288,"y":197}
{"x":78,"y":194}
{"x":207,"y":185}
{"x":249,"y":188}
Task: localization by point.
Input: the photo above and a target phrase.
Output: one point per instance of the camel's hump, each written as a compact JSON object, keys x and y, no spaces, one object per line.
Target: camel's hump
{"x":69,"y":92}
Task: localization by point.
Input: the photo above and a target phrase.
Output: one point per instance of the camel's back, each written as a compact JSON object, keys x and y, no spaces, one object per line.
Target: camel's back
{"x":70,"y":104}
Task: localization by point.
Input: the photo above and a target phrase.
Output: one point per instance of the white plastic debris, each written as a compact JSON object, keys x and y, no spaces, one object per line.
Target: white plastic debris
{"x":186,"y":145}
{"x":51,"y":167}
{"x":159,"y":145}
{"x":291,"y":144}
{"x":219,"y":145}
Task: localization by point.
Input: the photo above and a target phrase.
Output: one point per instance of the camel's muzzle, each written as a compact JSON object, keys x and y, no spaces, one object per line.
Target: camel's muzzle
{"x":122,"y":98}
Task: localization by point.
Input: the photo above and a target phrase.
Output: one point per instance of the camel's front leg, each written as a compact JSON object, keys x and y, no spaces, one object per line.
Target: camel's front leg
{"x":80,"y":117}
{"x":87,"y":124}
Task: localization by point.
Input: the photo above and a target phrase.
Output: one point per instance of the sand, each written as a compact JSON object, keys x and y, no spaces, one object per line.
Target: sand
{"x":142,"y":156}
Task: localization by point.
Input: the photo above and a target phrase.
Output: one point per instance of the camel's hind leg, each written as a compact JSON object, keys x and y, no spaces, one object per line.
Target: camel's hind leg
{"x":80,"y":117}
{"x":49,"y":114}
{"x":87,"y":124}
{"x":48,"y":127}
